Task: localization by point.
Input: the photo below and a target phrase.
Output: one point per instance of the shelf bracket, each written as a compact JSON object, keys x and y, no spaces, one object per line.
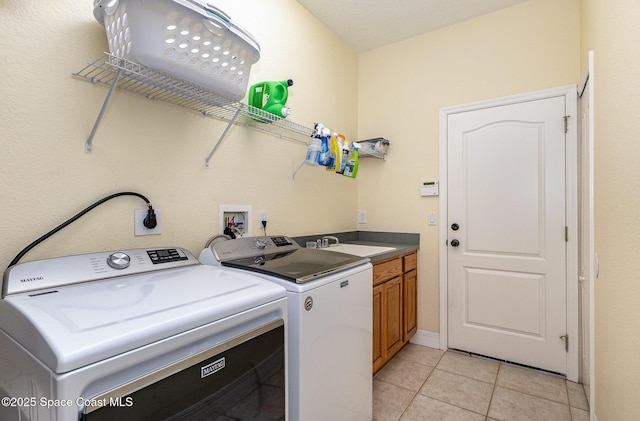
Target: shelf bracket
{"x":224,"y":134}
{"x":88,"y":146}
{"x":293,"y":176}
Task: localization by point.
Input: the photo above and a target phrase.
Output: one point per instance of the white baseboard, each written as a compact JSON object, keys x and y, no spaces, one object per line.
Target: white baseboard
{"x":426,"y":338}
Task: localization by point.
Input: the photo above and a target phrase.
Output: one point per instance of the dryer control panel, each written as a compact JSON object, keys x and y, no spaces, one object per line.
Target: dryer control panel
{"x":41,"y":275}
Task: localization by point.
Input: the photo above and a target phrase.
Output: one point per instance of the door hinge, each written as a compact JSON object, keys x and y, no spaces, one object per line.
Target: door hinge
{"x":565,"y":338}
{"x":566,"y":234}
{"x":566,"y":123}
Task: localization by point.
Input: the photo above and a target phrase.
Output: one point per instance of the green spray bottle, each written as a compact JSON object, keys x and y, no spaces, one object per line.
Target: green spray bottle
{"x":270,"y":97}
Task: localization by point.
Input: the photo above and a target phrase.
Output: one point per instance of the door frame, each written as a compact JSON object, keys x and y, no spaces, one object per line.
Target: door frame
{"x":587,"y":157}
{"x":570,"y":94}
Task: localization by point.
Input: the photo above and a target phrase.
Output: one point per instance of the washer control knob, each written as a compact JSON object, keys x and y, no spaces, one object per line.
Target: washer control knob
{"x":119,"y":260}
{"x":261,"y":243}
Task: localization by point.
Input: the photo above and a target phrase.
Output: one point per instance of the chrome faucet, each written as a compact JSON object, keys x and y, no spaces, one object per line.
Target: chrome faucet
{"x":331,"y":237}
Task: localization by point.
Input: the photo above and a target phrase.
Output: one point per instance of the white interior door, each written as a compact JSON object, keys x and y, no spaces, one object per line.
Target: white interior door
{"x":507,"y":250}
{"x":586,"y":254}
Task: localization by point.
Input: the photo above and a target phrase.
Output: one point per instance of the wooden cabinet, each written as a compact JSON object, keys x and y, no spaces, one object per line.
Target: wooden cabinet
{"x":387,"y":321}
{"x":410,"y":295}
{"x":410,"y":304}
{"x":378,"y":355}
{"x":394,"y":306}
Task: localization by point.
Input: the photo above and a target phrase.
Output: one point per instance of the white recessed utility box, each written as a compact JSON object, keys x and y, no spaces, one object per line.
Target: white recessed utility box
{"x":237,"y":218}
{"x":429,"y":188}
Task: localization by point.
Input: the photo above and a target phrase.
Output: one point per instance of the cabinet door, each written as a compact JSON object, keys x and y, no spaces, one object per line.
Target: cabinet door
{"x":392,"y":303}
{"x":410,"y":291}
{"x":378,"y":357}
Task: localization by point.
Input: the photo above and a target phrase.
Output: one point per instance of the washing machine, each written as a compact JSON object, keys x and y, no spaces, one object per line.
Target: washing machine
{"x":142,"y":334}
{"x":330,"y":300}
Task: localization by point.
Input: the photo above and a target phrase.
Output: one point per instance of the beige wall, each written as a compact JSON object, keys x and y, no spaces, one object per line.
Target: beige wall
{"x":158,"y":149}
{"x":394,"y":92}
{"x":531,"y":46}
{"x":610,"y":30}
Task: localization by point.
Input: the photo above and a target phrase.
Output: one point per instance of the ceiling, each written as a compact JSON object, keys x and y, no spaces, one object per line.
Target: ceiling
{"x":368,"y":24}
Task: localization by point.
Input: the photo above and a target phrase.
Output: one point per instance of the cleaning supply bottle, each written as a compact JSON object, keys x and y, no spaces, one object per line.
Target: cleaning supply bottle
{"x":339,"y":143}
{"x":270,"y":97}
{"x":334,"y":153}
{"x":351,"y":169}
{"x":344,"y":157}
{"x":313,"y":152}
{"x":323,"y":159}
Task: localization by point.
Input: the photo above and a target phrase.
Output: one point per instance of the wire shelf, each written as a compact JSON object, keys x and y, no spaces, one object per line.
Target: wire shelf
{"x":376,"y":148}
{"x":363,"y":153}
{"x":124,"y":74}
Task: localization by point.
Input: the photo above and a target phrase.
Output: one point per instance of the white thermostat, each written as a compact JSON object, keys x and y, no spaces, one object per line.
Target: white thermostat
{"x":429,"y":188}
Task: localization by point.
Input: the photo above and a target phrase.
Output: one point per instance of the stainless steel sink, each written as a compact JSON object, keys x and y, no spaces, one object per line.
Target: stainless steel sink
{"x":358,"y":249}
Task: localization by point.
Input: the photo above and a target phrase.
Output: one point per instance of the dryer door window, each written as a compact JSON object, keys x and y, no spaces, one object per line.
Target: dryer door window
{"x":243,"y":379}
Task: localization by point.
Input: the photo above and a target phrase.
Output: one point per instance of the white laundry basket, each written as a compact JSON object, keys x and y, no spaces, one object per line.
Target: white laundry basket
{"x":190,"y":39}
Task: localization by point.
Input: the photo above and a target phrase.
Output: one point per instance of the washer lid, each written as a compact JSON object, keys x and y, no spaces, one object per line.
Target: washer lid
{"x":279,"y":256}
{"x":300,"y":266}
{"x":76,"y":325}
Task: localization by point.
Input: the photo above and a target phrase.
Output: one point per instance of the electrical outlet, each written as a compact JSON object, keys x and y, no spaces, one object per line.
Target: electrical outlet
{"x":138,"y":223}
{"x":362,"y":217}
{"x":262,"y":216}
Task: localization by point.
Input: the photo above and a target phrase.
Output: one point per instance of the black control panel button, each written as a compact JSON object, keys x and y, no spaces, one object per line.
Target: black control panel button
{"x":166,"y":255}
{"x":280,"y":241}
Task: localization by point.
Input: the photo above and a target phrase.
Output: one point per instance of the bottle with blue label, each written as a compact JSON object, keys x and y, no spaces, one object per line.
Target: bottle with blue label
{"x":313,"y":152}
{"x":334,"y":153}
{"x":323,"y":159}
{"x":322,"y":133}
{"x":351,"y":169}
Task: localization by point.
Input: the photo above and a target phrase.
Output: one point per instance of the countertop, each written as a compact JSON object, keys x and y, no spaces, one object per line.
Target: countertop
{"x":402,"y":243}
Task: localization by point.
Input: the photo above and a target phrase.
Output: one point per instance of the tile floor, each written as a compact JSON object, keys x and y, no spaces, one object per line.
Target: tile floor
{"x":423,"y":383}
